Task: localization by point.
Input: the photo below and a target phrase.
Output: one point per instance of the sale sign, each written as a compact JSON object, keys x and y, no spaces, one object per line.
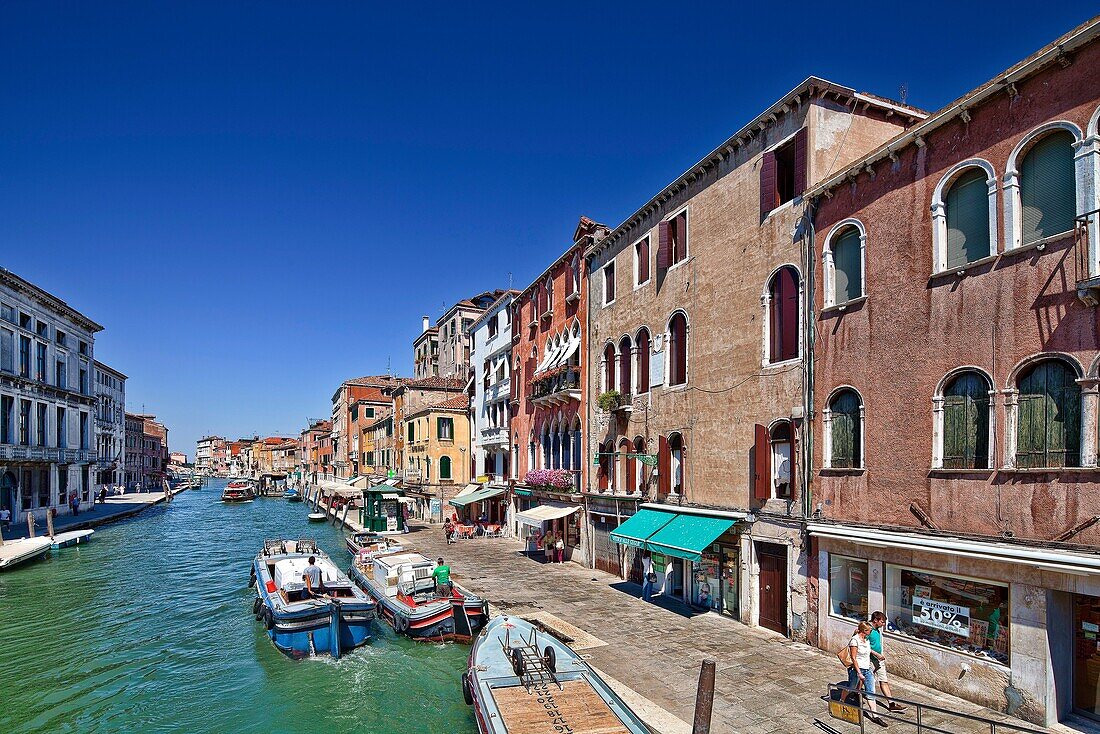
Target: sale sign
{"x":942,"y":616}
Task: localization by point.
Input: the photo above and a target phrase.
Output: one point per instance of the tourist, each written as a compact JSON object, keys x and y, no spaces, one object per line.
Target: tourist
{"x":312,"y":577}
{"x":648,"y":577}
{"x":860,"y":673}
{"x":448,"y":531}
{"x":548,"y":546}
{"x":442,"y":576}
{"x":878,"y":660}
{"x":5,"y":518}
{"x":559,"y":547}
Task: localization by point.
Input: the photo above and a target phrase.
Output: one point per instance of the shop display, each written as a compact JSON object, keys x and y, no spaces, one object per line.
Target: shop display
{"x":848,"y":587}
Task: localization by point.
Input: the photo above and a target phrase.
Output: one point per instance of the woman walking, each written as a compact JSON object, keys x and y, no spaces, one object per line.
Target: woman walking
{"x":861,"y":676}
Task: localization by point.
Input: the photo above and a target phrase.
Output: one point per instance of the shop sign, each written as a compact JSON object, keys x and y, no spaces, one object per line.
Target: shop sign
{"x":434,"y":510}
{"x":942,"y":616}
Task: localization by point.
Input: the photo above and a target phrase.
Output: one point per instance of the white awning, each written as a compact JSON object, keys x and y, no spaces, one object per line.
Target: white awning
{"x":472,"y":487}
{"x":536,"y":516}
{"x":1065,"y":561}
{"x":571,"y":349}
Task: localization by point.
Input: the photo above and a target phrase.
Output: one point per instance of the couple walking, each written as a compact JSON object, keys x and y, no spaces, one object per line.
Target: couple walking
{"x":866,"y":664}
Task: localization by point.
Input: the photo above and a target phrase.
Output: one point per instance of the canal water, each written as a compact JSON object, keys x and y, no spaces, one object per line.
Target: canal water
{"x":149,"y":628}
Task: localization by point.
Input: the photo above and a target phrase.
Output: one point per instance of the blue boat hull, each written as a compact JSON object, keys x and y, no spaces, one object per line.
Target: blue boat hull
{"x":318,"y":640}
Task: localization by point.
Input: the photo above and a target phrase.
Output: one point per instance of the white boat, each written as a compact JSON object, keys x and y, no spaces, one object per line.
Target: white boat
{"x":72,"y":537}
{"x":316,"y":517}
{"x":14,"y":552}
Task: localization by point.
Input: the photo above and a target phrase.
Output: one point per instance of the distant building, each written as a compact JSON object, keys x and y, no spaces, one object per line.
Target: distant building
{"x":490,"y":417}
{"x":211,"y":455}
{"x":177,"y":458}
{"x":315,"y":451}
{"x":437,"y":438}
{"x":110,"y":425}
{"x":443,"y":350}
{"x":372,"y":393}
{"x":46,"y":400}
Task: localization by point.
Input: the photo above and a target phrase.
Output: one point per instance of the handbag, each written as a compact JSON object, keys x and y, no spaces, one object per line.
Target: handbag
{"x":845,"y":656}
{"x":651,"y":577}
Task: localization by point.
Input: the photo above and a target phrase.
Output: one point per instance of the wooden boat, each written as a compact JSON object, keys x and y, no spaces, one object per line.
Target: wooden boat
{"x":365,"y":546}
{"x":407,"y":597}
{"x":238,"y":492}
{"x":522,"y":681}
{"x":72,"y":537}
{"x":333,"y":622}
{"x":292,"y":495}
{"x":15,"y":552}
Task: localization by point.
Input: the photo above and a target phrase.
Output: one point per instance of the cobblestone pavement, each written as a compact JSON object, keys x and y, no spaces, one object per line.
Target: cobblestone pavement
{"x":765,"y":683}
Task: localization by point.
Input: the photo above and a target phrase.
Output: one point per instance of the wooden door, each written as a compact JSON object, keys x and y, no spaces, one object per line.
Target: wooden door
{"x":773,"y":586}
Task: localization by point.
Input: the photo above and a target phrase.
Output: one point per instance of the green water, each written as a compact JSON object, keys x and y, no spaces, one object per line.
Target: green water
{"x":149,"y":629}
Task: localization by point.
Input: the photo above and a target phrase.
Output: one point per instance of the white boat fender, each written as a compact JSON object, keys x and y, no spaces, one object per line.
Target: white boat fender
{"x":467,"y":694}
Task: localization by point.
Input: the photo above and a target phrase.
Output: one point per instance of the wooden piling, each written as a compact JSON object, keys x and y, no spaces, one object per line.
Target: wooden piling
{"x":49,"y":521}
{"x":344,"y":519}
{"x":704,"y":698}
{"x":30,"y":524}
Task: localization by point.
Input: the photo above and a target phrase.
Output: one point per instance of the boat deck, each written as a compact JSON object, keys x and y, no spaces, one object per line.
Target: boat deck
{"x":576,"y":708}
{"x":14,"y":552}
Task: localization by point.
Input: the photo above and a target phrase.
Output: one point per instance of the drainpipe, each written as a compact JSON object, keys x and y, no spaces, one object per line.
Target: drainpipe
{"x":808,"y":340}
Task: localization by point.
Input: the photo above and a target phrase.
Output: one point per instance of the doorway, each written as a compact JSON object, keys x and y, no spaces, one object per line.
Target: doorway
{"x":1086,"y":656}
{"x":7,"y":492}
{"x":773,"y":586}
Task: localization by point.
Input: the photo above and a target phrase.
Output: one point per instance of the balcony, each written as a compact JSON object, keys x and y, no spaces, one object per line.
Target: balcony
{"x":494,"y":436}
{"x":498,"y":390}
{"x":557,"y":388}
{"x":1087,"y":227}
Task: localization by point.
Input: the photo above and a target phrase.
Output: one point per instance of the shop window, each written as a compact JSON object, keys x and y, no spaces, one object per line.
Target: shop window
{"x":962,"y":614}
{"x":848,"y":587}
{"x":1049,"y":417}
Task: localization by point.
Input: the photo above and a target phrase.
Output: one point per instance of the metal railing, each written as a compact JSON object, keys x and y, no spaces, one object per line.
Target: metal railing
{"x":1081,"y":244}
{"x":920,"y":712}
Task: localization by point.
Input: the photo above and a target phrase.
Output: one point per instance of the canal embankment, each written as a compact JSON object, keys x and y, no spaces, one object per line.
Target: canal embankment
{"x":115,"y":508}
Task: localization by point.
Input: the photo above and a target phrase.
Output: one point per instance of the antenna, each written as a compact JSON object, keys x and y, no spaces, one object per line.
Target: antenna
{"x":903,"y":92}
{"x":509,"y":280}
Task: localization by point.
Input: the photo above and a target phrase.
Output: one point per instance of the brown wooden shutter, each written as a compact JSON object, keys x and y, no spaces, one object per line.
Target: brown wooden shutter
{"x":761,"y":464}
{"x":788,"y":313}
{"x":768,"y":194}
{"x":664,"y":467}
{"x":799,"y":162}
{"x":664,"y":247}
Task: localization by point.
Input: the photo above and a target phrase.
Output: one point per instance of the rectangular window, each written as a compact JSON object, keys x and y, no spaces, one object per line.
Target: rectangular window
{"x":24,"y":321}
{"x":492,"y":324}
{"x":83,"y":348}
{"x":959,"y":613}
{"x":412,"y":431}
{"x":7,"y":313}
{"x":354,"y":413}
{"x":641,"y":261}
{"x":40,"y":362}
{"x":24,"y":422}
{"x":7,"y":407}
{"x":783,"y":173}
{"x":609,"y":283}
{"x":42,"y":329}
{"x":445,"y":428}
{"x":59,"y":337}
{"x":24,"y":356}
{"x":83,"y":381}
{"x":368,"y":412}
{"x":60,"y":373}
{"x":678,"y":237}
{"x":7,"y":350}
{"x":40,"y":432}
{"x":847,"y":587}
{"x":62,"y":437}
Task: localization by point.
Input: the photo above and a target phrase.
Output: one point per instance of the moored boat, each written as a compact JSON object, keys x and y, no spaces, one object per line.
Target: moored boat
{"x":292,"y":495}
{"x":238,"y":492}
{"x":366,"y":545}
{"x":409,"y":600}
{"x":72,"y":537}
{"x":330,"y":622}
{"x":15,"y":552}
{"x":518,"y":675}
{"x":316,"y":517}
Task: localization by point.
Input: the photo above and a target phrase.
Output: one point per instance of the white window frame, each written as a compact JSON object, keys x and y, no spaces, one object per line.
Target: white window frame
{"x":687,"y":235}
{"x":829,"y":580}
{"x":1090,"y":189}
{"x":938,"y":400}
{"x":939,"y":212}
{"x":771,"y":446}
{"x":765,"y":305}
{"x":829,"y":267}
{"x":1085,"y":182}
{"x":638,"y":357}
{"x":827,"y":429}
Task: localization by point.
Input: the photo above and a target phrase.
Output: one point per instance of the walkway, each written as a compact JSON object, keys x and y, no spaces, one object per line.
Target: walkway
{"x":116,"y":508}
{"x":765,"y":683}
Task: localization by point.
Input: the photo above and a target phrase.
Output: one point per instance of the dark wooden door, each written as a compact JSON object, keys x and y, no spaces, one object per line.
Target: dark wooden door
{"x":773,"y":586}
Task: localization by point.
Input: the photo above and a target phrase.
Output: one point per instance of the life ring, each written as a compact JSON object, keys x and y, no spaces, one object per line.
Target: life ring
{"x":400,"y":622}
{"x":467,"y":694}
{"x":256,"y":606}
{"x":550,"y":659}
{"x":517,"y":662}
{"x":269,"y":619}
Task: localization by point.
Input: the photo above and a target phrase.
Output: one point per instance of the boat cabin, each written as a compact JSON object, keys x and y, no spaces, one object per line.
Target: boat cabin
{"x":407,"y":574}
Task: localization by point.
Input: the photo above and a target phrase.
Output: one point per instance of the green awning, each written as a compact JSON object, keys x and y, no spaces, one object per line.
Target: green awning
{"x":687,"y":535}
{"x":639,"y":526}
{"x":476,"y":496}
{"x":523,"y":492}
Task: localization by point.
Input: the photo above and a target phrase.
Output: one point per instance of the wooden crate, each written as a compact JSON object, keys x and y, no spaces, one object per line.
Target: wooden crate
{"x":548,"y":710}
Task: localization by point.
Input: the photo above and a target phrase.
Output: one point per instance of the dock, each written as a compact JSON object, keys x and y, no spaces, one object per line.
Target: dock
{"x":14,"y":552}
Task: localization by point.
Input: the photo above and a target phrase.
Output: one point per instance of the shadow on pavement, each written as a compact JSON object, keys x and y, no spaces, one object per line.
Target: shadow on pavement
{"x":668,"y":603}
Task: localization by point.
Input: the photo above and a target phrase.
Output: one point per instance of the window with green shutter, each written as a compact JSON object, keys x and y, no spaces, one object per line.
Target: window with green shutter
{"x":1048,"y":190}
{"x":968,"y":219}
{"x":412,"y":431}
{"x":846,"y":431}
{"x":445,"y":429}
{"x":1048,"y":432}
{"x":847,"y":266}
{"x":966,"y":422}
{"x":444,"y":467}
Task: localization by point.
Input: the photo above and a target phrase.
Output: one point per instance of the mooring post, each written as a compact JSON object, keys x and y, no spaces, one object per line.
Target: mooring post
{"x":344,"y":519}
{"x":30,"y":524}
{"x":704,"y":698}
{"x":49,"y":521}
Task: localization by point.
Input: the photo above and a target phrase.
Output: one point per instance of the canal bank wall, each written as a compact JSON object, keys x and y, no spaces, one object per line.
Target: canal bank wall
{"x":118,"y":507}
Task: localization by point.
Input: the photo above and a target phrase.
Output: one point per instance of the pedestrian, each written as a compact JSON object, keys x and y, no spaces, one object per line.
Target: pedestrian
{"x":448,"y":531}
{"x":648,"y":577}
{"x":559,"y":546}
{"x":5,"y":517}
{"x":548,"y":546}
{"x":861,"y":676}
{"x":442,"y":576}
{"x":878,"y":660}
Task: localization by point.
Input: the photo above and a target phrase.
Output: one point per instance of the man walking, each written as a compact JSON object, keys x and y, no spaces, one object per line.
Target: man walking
{"x":878,"y":660}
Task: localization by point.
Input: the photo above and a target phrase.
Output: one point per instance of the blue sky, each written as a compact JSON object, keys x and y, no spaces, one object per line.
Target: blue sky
{"x":260,"y":199}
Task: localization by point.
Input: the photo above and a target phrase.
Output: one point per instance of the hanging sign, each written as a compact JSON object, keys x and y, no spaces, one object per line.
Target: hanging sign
{"x":941,"y":615}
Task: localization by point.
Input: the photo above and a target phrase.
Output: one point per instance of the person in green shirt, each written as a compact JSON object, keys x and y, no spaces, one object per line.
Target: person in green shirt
{"x":878,"y":660}
{"x":442,"y":576}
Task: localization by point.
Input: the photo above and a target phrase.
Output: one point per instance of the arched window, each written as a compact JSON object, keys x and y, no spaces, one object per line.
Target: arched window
{"x":677,"y":349}
{"x":845,"y":430}
{"x":643,"y":360}
{"x":549,"y":295}
{"x":1048,"y":189}
{"x":967,"y":218}
{"x":1048,"y":428}
{"x":609,"y":367}
{"x":677,"y":467}
{"x":626,"y":463}
{"x":782,"y":316}
{"x":966,"y":421}
{"x":782,"y":459}
{"x":444,"y":467}
{"x":847,"y":256}
{"x":575,"y":276}
{"x":604,"y":470}
{"x":638,"y":481}
{"x":625,"y":379}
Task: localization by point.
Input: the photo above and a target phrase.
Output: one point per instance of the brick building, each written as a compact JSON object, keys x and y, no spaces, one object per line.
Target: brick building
{"x":955,"y":391}
{"x":376,"y":391}
{"x":316,"y":451}
{"x":695,"y":349}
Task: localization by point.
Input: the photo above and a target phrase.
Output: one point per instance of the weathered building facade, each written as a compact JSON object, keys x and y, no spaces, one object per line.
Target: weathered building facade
{"x":955,"y":393}
{"x":110,"y":426}
{"x":491,"y":336}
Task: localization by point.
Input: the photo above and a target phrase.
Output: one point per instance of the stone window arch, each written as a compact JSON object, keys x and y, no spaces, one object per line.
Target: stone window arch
{"x":626,"y":378}
{"x":844,"y":262}
{"x":843,"y":423}
{"x":642,"y":355}
{"x":963,"y":420}
{"x":1044,"y":183}
{"x":964,"y":215}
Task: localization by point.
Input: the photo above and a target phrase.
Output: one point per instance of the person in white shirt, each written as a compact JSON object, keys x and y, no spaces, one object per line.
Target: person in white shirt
{"x":648,"y":577}
{"x":860,"y":673}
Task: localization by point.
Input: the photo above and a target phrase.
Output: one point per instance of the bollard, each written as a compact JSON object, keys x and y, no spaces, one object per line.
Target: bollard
{"x":344,"y":519}
{"x":49,"y":521}
{"x":704,"y":698}
{"x":30,"y":524}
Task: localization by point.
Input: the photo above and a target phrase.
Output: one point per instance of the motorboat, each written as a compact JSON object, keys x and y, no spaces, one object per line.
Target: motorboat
{"x":517,"y":675}
{"x":335,"y":620}
{"x":292,"y":495}
{"x":365,"y":546}
{"x":409,"y":600}
{"x":71,"y":537}
{"x":316,"y":517}
{"x":238,"y":491}
{"x":15,"y":552}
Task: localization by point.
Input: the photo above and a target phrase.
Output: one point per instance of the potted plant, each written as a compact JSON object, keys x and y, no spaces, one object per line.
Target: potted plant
{"x":609,"y":401}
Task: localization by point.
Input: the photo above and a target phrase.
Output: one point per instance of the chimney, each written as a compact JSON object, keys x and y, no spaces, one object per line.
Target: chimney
{"x":425,"y":322}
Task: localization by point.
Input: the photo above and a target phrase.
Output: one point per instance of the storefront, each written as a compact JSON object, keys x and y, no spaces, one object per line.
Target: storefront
{"x":1008,"y":625}
{"x":560,"y":518}
{"x":605,"y":513}
{"x":715,"y":579}
{"x":481,"y":504}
